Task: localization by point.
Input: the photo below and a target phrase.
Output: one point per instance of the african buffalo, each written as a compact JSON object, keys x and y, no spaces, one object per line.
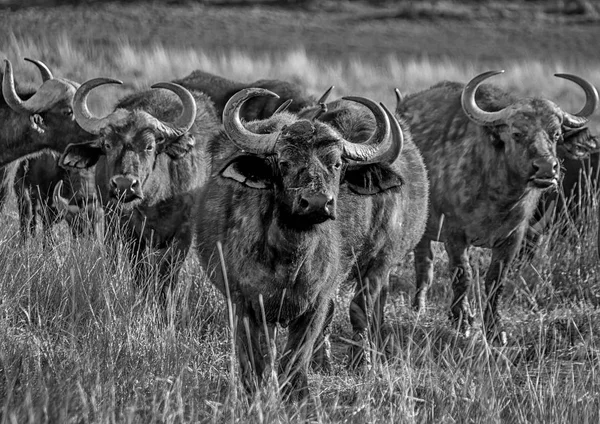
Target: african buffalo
{"x":579,"y":157}
{"x":151,"y":164}
{"x":36,"y":121}
{"x":489,"y":157}
{"x":46,"y":190}
{"x":371,"y":270}
{"x":296,"y":207}
{"x":221,"y":89}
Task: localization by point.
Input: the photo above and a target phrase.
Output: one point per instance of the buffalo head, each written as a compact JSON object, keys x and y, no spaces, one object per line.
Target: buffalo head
{"x":303,"y":162}
{"x":131,"y":139}
{"x":50,"y":109}
{"x":529,"y":129}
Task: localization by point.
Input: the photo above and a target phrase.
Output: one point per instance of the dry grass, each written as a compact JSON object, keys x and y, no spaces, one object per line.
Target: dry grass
{"x":80,"y":345}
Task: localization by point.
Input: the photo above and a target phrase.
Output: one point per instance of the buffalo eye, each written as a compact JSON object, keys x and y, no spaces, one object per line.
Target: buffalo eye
{"x":150,"y":147}
{"x":106,"y":145}
{"x":518,"y":136}
{"x":284,"y":165}
{"x":68,"y":111}
{"x":557,"y":136}
{"x":337,"y":165}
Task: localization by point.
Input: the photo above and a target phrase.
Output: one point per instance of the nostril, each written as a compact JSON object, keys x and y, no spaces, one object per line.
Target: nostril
{"x":134,"y":183}
{"x":329,"y":203}
{"x":303,"y":203}
{"x":113,"y":183}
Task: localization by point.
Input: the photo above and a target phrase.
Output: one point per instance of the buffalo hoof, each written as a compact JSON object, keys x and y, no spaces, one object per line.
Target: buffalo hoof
{"x":420,"y":301}
{"x":497,"y":336}
{"x":463,"y":322}
{"x":359,"y":358}
{"x":321,"y":359}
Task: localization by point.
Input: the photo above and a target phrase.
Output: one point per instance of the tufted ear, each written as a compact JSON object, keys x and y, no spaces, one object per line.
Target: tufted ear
{"x":578,"y":143}
{"x":371,"y":179}
{"x":179,"y":147}
{"x":81,"y":155}
{"x":249,"y":170}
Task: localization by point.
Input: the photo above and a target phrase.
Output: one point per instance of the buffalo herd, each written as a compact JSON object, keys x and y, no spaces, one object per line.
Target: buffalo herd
{"x":285,"y":197}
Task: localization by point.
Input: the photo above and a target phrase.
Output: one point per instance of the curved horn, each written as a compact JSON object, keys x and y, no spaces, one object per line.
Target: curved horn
{"x":399,"y":98}
{"x":44,"y":70}
{"x":235,"y":130}
{"x":396,"y":143}
{"x":10,"y":93}
{"x":581,"y":118}
{"x":188,"y":114}
{"x":475,"y":114}
{"x":325,"y":95}
{"x":370,"y":148}
{"x":82,"y":114}
{"x":60,"y":203}
{"x":322,"y":104}
{"x":283,"y":107}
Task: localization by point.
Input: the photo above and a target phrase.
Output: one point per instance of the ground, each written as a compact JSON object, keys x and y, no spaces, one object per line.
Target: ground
{"x":80,"y":345}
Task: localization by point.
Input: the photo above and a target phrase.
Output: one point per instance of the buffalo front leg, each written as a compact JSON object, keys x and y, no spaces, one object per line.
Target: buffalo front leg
{"x":502,"y":257}
{"x":27,"y":219}
{"x":171,"y":262}
{"x":293,"y":365}
{"x":367,"y":314}
{"x":321,"y":359}
{"x":251,"y":355}
{"x":462,"y":276}
{"x":423,"y":271}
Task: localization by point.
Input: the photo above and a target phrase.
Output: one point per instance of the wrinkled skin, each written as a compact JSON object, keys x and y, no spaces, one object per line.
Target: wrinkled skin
{"x":154,"y":215}
{"x":220,"y":90}
{"x":284,"y":265}
{"x":485,"y":183}
{"x":579,"y":159}
{"x":34,"y":185}
{"x":52,"y":128}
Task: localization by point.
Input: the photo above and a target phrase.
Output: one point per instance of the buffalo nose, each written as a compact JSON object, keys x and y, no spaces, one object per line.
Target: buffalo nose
{"x":125,"y":185}
{"x":316,"y":203}
{"x":545,"y":168}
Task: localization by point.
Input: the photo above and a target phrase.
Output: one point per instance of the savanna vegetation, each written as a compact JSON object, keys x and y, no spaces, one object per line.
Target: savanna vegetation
{"x":80,"y":344}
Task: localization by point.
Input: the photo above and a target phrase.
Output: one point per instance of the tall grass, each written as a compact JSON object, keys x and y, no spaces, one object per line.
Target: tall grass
{"x":79,"y":344}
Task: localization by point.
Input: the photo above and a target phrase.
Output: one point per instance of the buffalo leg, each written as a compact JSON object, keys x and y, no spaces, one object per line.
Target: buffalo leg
{"x":3,"y":186}
{"x":462,"y":276}
{"x":424,"y":272}
{"x":250,"y":350}
{"x":26,"y":213}
{"x":321,"y":359}
{"x":367,"y":314}
{"x":172,"y":261}
{"x":502,"y":257}
{"x":293,"y":365}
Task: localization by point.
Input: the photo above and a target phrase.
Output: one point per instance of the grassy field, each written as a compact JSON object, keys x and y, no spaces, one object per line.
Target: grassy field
{"x":80,"y":345}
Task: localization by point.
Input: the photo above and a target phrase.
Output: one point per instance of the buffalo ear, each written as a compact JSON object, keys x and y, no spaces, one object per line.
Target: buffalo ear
{"x":371,"y":179}
{"x":578,"y":143}
{"x":81,"y":155}
{"x":179,"y":147}
{"x":251,"y":171}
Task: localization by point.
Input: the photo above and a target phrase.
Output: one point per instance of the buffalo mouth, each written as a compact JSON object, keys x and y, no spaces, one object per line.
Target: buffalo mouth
{"x":544,"y":182}
{"x":126,"y":198}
